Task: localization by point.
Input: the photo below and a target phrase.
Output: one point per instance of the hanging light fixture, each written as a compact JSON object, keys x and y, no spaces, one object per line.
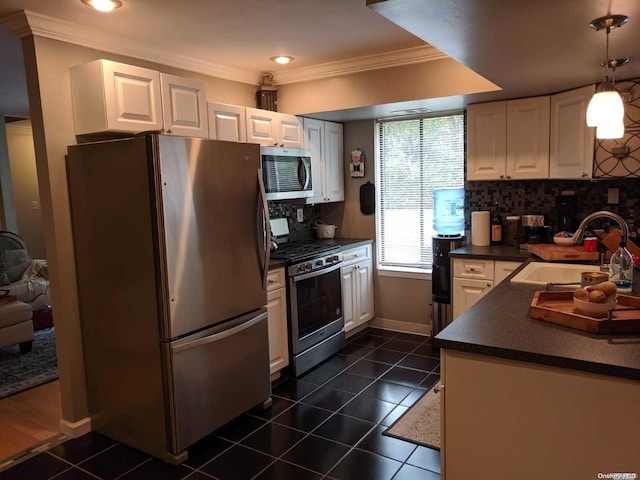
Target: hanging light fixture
{"x":606,"y":110}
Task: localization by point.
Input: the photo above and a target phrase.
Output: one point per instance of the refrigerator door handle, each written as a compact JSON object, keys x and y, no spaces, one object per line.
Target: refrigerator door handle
{"x":264,"y":232}
{"x":219,"y":336}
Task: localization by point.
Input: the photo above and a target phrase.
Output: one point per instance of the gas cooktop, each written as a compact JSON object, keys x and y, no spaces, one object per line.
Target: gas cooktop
{"x":301,"y":250}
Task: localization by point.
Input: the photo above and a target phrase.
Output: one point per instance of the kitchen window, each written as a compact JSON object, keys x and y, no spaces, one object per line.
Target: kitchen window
{"x":413,"y":157}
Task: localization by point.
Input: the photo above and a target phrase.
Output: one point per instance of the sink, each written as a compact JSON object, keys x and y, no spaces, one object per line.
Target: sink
{"x":541,"y":273}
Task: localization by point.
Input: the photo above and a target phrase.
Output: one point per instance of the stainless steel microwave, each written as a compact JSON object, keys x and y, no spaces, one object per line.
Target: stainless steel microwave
{"x":286,"y":173}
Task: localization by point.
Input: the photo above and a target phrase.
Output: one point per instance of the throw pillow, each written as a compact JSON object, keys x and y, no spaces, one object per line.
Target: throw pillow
{"x":4,"y":277}
{"x":17,"y":262}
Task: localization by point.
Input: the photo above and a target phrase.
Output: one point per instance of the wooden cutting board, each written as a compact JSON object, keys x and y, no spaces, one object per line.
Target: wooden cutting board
{"x":562,"y":253}
{"x":557,"y":307}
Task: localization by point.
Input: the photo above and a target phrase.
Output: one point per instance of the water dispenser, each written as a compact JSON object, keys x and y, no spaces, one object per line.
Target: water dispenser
{"x":448,"y":211}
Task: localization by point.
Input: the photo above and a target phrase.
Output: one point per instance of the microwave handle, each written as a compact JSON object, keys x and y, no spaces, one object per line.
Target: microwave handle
{"x":304,"y":182}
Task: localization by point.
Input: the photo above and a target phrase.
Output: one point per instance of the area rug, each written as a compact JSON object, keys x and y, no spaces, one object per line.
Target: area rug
{"x":22,"y":371}
{"x":421,"y":423}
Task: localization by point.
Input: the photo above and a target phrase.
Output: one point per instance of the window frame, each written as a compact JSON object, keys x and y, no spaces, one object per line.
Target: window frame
{"x":406,"y":270}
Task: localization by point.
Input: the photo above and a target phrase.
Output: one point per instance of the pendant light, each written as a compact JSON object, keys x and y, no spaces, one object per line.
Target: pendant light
{"x":606,"y":110}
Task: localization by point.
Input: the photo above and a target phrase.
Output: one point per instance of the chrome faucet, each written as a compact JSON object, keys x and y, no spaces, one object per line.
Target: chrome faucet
{"x":578,"y":236}
{"x":621,"y":264}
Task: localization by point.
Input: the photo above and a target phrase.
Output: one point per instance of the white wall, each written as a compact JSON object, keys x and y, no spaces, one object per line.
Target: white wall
{"x":22,"y":162}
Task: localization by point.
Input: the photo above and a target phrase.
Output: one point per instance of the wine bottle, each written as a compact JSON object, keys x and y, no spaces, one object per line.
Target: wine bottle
{"x":496,"y":226}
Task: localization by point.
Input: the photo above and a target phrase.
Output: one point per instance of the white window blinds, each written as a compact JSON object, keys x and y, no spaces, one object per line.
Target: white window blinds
{"x":413,"y":158}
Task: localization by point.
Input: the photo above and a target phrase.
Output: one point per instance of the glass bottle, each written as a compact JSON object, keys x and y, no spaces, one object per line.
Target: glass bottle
{"x":621,"y":268}
{"x":496,"y":226}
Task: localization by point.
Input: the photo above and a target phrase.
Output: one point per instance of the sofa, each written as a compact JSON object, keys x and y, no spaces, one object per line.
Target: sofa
{"x":24,"y":282}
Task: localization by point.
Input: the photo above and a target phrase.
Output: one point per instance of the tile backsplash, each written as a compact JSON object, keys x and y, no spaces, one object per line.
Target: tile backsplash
{"x":304,"y":229}
{"x":522,"y":197}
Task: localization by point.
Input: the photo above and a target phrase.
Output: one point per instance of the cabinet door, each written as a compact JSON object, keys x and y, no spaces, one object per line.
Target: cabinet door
{"x":290,"y":132}
{"x":227,"y":122}
{"x":572,"y":142}
{"x":261,"y":127}
{"x":486,"y":140}
{"x":503,"y":269}
{"x":184,"y":106}
{"x":333,"y":162}
{"x":278,"y":341}
{"x":364,"y":285}
{"x":111,"y":96}
{"x":349,"y":292}
{"x":466,"y":292}
{"x":528,"y":138}
{"x":314,"y":142}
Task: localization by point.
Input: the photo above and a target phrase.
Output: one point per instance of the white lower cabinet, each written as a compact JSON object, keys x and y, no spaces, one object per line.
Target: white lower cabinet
{"x":529,"y":408}
{"x":474,"y":278}
{"x":357,"y":287}
{"x":277,"y":310}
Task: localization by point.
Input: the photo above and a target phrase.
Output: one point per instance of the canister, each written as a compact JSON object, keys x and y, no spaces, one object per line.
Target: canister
{"x":513,"y":230}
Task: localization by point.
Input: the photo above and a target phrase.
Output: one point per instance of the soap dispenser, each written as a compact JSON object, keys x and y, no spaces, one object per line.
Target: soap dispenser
{"x":622,"y":268}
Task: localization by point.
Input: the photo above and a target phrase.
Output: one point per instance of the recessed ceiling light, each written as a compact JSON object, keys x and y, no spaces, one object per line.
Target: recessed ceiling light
{"x":103,"y":5}
{"x":282,"y":59}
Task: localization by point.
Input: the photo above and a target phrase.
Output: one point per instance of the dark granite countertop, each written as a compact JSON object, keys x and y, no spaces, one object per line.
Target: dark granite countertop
{"x":345,"y":243}
{"x":504,"y":253}
{"x":500,"y":325}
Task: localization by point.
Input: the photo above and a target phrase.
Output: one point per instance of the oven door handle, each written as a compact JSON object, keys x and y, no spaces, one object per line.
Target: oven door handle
{"x":316,"y":273}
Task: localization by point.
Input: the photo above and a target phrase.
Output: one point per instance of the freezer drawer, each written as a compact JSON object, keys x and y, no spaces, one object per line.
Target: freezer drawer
{"x":217,"y":377}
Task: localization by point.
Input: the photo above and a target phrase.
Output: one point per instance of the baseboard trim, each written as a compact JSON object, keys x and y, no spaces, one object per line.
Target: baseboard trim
{"x":400,"y":326}
{"x":77,"y":429}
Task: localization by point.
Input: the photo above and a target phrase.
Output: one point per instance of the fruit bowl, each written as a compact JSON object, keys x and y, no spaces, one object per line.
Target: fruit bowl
{"x":563,"y":238}
{"x":591,"y":308}
{"x":563,"y":241}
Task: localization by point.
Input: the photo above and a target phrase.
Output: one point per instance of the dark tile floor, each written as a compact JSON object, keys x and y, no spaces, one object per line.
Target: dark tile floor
{"x":326,"y":424}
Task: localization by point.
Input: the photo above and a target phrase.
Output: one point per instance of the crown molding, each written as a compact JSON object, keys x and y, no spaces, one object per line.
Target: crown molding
{"x":26,"y":23}
{"x":365,"y":63}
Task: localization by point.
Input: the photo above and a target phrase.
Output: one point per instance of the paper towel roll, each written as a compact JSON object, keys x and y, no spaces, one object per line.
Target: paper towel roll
{"x":480,"y":228}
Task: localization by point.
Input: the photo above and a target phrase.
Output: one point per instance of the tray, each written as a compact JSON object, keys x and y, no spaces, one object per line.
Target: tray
{"x":562,"y":253}
{"x":557,"y":307}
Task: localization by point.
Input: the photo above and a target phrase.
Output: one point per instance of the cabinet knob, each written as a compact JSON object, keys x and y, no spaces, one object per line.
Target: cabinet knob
{"x":169,"y":130}
{"x":282,"y":144}
{"x":275,"y":144}
{"x":488,"y":284}
{"x":508,"y":176}
{"x":270,"y":281}
{"x":437,"y":388}
{"x":501,"y":176}
{"x":584,"y":174}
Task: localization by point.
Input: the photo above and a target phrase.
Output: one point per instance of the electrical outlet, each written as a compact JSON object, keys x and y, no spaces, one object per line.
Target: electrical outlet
{"x":34,"y":205}
{"x":300,"y":215}
{"x":613,"y":196}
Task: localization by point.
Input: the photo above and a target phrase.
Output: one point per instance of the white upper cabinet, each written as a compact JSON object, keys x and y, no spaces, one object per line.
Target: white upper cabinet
{"x":325,"y":141}
{"x":508,"y":139}
{"x":184,"y":106}
{"x":227,"y":122}
{"x":571,"y":142}
{"x":486,"y":141}
{"x":334,"y":162}
{"x":528,"y":138}
{"x":110,"y":96}
{"x":270,"y":129}
{"x":114,"y":97}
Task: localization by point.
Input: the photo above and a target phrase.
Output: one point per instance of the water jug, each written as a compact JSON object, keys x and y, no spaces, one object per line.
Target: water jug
{"x":448,"y":211}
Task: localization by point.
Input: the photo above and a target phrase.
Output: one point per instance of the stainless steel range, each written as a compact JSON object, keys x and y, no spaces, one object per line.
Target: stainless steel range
{"x":314,"y":297}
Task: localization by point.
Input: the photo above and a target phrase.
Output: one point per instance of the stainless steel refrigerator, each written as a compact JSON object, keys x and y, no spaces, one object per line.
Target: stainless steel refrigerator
{"x":171,"y":248}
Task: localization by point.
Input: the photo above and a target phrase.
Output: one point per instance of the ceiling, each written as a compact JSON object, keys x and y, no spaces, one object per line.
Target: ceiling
{"x":528,"y":47}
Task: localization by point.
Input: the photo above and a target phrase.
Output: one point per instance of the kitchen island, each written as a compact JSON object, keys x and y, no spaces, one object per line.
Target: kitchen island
{"x":524,"y":398}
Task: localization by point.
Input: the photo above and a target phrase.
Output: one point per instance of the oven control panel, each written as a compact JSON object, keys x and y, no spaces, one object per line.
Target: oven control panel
{"x":316,"y":264}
